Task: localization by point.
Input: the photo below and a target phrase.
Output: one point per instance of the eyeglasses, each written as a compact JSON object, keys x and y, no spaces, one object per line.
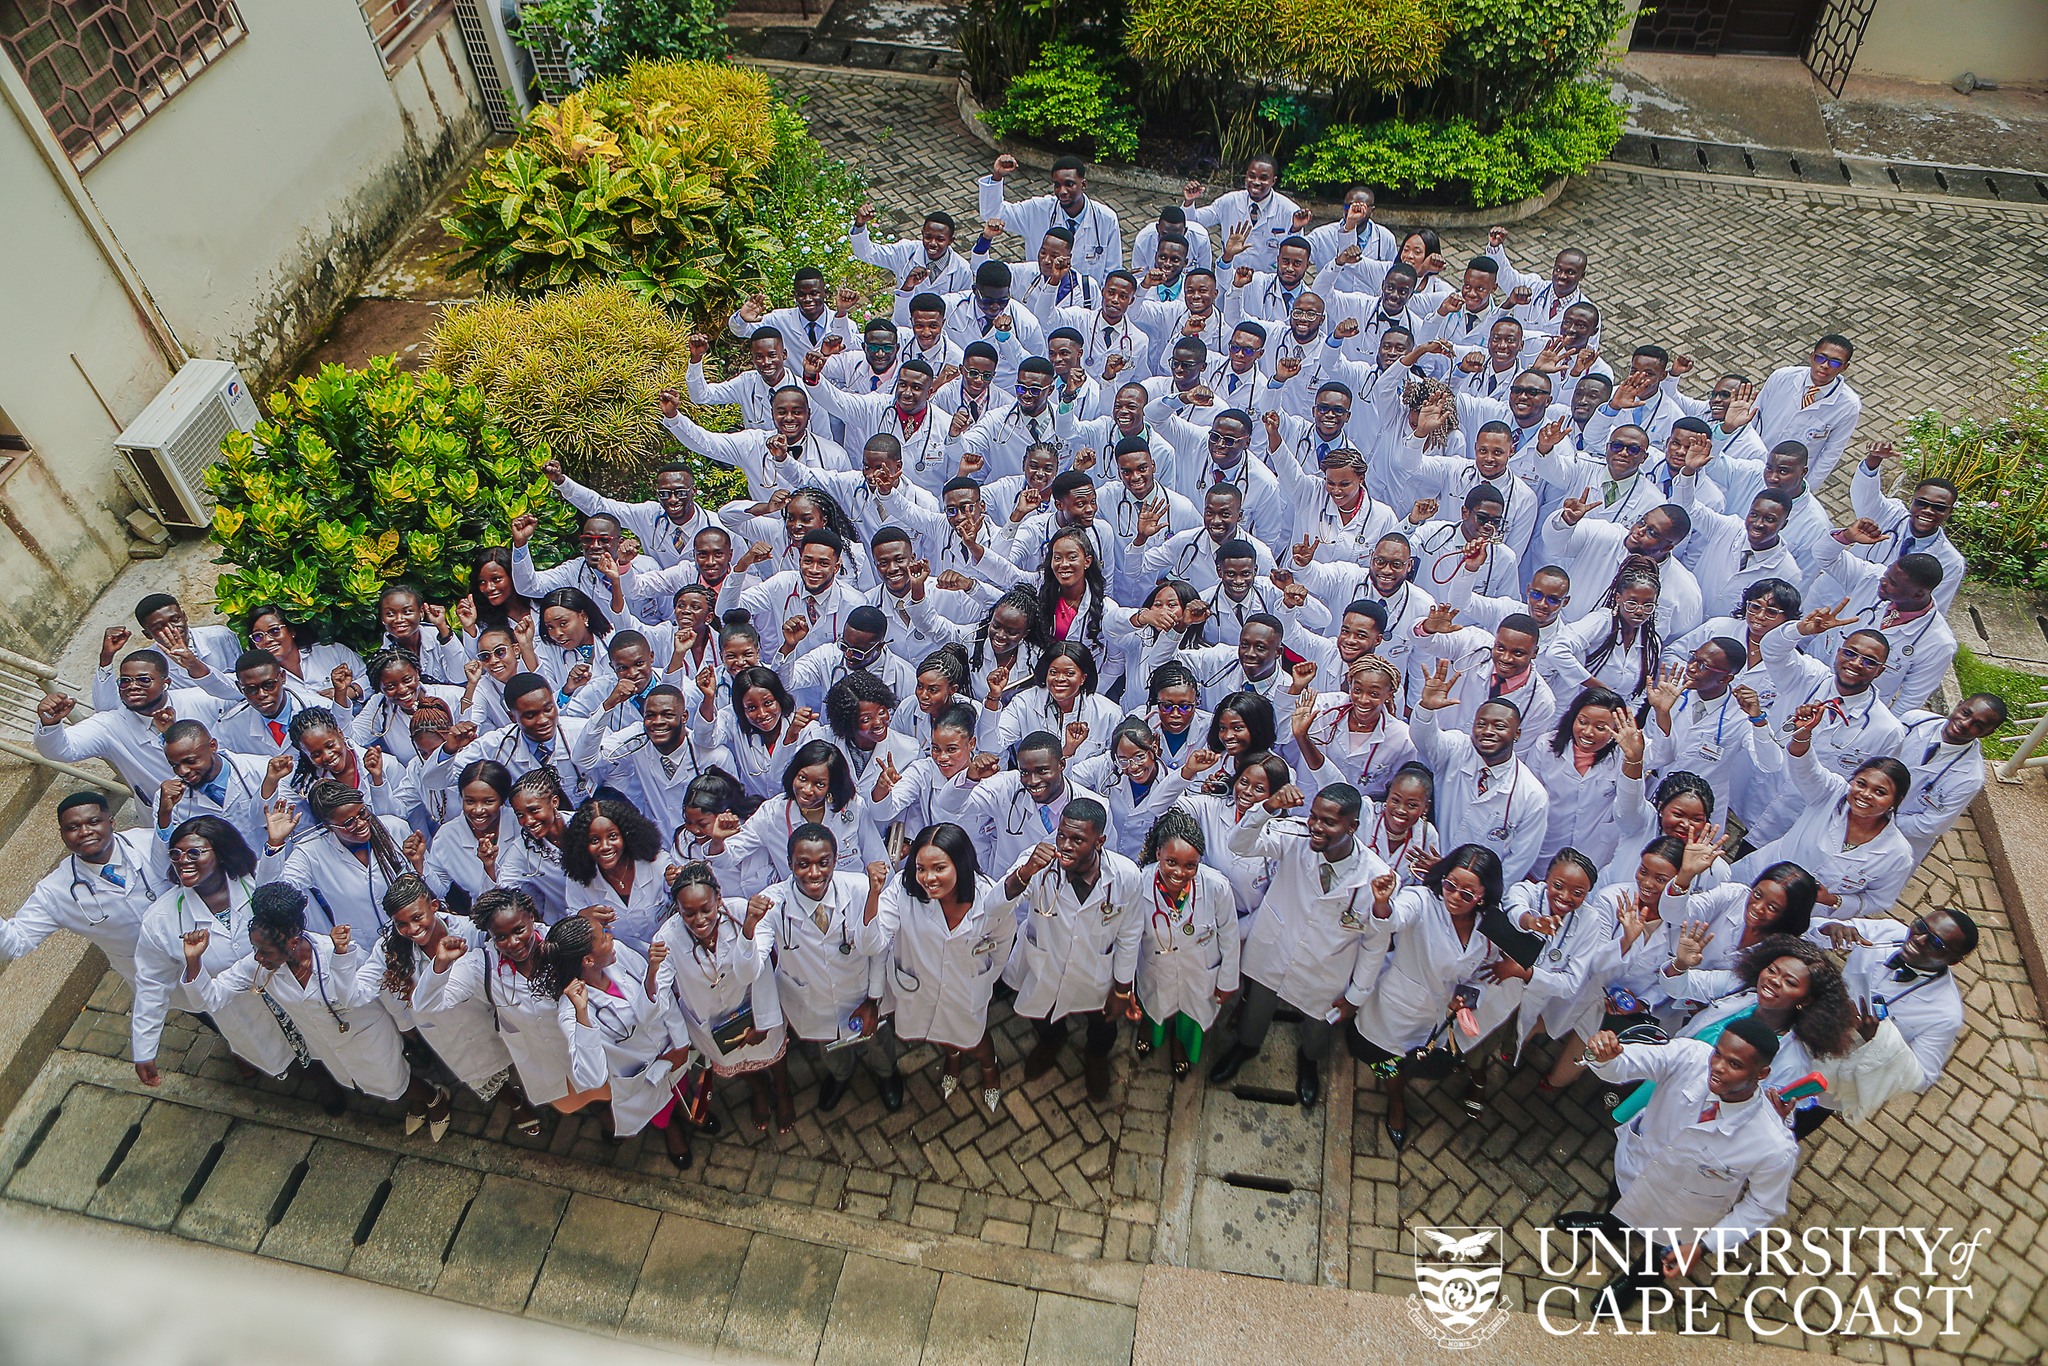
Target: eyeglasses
{"x":1218,"y":441}
{"x":1722,"y":393}
{"x":133,"y":681}
{"x":1385,"y":562}
{"x":1545,"y":599}
{"x":1527,"y":391}
{"x":593,"y":541}
{"x":268,"y":633}
{"x":1626,"y":448}
{"x":954,"y":512}
{"x":495,"y":652}
{"x":1133,"y":763}
{"x":189,"y":855}
{"x":251,"y":689}
{"x":1830,"y":362}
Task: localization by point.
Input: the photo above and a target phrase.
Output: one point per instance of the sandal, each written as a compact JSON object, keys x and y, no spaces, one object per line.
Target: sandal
{"x":444,"y":1102}
{"x":948,"y":1084}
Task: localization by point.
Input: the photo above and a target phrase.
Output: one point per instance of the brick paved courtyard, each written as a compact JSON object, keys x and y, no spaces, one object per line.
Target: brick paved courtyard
{"x":1031,"y":1227}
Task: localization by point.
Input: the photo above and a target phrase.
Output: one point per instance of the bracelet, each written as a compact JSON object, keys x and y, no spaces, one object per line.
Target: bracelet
{"x":1760,"y":720}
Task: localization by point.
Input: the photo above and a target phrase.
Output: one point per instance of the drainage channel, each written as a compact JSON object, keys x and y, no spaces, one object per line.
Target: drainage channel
{"x":1258,"y":1198}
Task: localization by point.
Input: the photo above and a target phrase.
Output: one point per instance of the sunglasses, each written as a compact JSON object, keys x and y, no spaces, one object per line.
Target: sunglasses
{"x":671,"y":495}
{"x":1229,"y":443}
{"x":1527,"y":391}
{"x":1033,"y":390}
{"x":1333,"y":409}
{"x":1176,"y":708}
{"x":1829,"y":361}
{"x":1237,"y":350}
{"x":1932,"y":505}
{"x":1847,"y":655}
{"x":1626,"y":448}
{"x":267,"y":633}
{"x":597,"y":540}
{"x":1546,"y":599}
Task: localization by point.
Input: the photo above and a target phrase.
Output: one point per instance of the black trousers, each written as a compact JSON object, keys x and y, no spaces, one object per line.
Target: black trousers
{"x":1100,"y":1039}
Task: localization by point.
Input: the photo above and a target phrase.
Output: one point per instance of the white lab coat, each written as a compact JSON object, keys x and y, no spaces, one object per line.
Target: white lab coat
{"x":1867,"y":878}
{"x":357,"y":1041}
{"x":1567,"y":989}
{"x":452,"y":859}
{"x":1131,"y":814}
{"x":622,"y":1045}
{"x":1367,"y":759}
{"x":245,"y":1022}
{"x":525,"y":1020}
{"x":636,"y":915}
{"x":1944,"y":782}
{"x":1581,"y":805}
{"x":1033,"y":709}
{"x":341,"y":889}
{"x":1402,"y":995}
{"x":1006,"y":824}
{"x":940,"y":979}
{"x":697,"y":989}
{"x":823,"y":976}
{"x":762,"y":845}
{"x":1250,"y":874}
{"x":1727,"y":1178}
{"x":1069,"y":951}
{"x":1303,"y":942}
{"x":1927,"y":1010}
{"x":461,"y":1033}
{"x":76,"y":897}
{"x":1187,"y":954}
{"x":1512,"y":817}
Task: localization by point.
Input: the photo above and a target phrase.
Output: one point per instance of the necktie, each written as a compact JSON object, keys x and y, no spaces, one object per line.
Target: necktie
{"x":822,"y":918}
{"x":1287,"y":297}
{"x":1928,"y":757}
{"x":811,"y":607}
{"x":1031,"y":425}
{"x":1045,"y":815}
{"x":813,"y":329}
{"x":114,"y":875}
{"x":1485,"y":776}
{"x":1609,"y":491}
{"x":1812,"y":393}
{"x":669,"y":766}
{"x":1744,"y":564}
{"x":1710,"y":1112}
{"x":217,"y":793}
{"x":1492,"y":382}
{"x":679,"y":535}
{"x":1553,"y":306}
{"x":874,"y":381}
{"x":1329,"y":876}
{"x":1108,"y":336}
{"x":1233,"y":381}
{"x":541,"y":752}
{"x":276,"y":731}
{"x":1906,"y":546}
{"x":1900,"y":972}
{"x":1494,"y":689}
{"x":1322,"y":453}
{"x":1255,"y":213}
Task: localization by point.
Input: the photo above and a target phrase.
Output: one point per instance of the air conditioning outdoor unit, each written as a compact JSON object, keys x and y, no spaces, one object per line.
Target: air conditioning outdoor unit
{"x":503,"y":68}
{"x":178,"y":435}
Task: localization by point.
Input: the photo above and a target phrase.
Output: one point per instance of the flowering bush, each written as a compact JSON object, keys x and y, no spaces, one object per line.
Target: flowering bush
{"x":1999,"y":465}
{"x":361,"y":477}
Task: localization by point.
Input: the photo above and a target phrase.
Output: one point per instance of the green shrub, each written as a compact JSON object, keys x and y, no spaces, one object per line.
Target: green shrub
{"x":1229,"y":56}
{"x":1068,"y":99}
{"x":1000,"y":39}
{"x":579,"y":371}
{"x":1507,"y":56}
{"x":1999,"y":465}
{"x":358,"y":478}
{"x":1452,"y":160}
{"x":604,"y":40}
{"x":686,"y":181}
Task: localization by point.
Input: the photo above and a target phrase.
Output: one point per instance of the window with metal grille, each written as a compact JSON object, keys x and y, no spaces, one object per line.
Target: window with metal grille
{"x":400,"y":26}
{"x":98,"y":68}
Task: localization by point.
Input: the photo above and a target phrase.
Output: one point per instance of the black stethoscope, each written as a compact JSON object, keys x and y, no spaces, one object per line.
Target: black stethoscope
{"x":1013,"y":826}
{"x":1922,"y":787}
{"x":138,"y":878}
{"x":319,"y":977}
{"x":787,"y":937}
{"x":1128,"y":509}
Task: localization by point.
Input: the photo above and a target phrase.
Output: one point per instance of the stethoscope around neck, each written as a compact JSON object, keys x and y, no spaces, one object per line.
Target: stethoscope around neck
{"x":92,"y":883}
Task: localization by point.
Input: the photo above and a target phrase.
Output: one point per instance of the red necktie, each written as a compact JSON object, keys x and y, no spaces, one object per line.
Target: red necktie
{"x":1712,"y":1109}
{"x":276,"y":731}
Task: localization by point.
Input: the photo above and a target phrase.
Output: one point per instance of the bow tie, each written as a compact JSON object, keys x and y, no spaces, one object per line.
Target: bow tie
{"x":1900,"y":972}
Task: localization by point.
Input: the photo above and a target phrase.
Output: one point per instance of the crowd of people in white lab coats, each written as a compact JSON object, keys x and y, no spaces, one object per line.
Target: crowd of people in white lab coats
{"x":1290,"y":622}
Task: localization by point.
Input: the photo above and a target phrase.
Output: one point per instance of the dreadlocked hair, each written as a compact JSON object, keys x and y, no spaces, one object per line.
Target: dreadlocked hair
{"x":1024,"y":600}
{"x":1093,"y":590}
{"x":1173,"y":824}
{"x":305,"y":721}
{"x":401,"y":955}
{"x":329,"y":796}
{"x":1636,"y":571}
{"x":1423,"y":391}
{"x":561,"y":956}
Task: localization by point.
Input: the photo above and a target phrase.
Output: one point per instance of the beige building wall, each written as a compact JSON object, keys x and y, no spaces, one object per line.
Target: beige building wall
{"x":251,"y":205}
{"x":1937,"y":40}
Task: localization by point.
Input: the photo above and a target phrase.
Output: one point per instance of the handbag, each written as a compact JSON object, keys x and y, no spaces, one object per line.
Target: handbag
{"x":1436,"y":1057}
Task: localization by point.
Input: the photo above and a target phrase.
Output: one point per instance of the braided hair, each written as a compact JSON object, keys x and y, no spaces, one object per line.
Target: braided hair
{"x":1572,"y":858}
{"x":401,"y":955}
{"x":328,"y":797}
{"x":1174,"y":823}
{"x":950,"y":662}
{"x":836,"y":520}
{"x":843,"y":699}
{"x":539,"y":782}
{"x":561,"y":956}
{"x":380,"y":660}
{"x":1093,"y":590}
{"x":305,"y":721}
{"x":1636,"y":571}
{"x":1024,"y":600}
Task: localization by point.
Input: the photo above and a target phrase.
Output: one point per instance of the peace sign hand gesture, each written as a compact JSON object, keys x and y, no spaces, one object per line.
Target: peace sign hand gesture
{"x":1824,"y":619}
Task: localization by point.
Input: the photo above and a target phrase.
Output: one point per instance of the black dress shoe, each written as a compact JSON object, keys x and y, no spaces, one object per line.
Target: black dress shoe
{"x":1226,"y":1066}
{"x":892,"y":1092}
{"x":1308,"y":1080}
{"x":1398,"y":1137}
{"x":677,"y":1139}
{"x":712,"y":1125}
{"x":829,"y":1092}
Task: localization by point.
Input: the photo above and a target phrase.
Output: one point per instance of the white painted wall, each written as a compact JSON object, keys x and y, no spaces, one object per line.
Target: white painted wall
{"x":251,"y":205}
{"x":1937,"y":40}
